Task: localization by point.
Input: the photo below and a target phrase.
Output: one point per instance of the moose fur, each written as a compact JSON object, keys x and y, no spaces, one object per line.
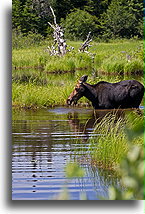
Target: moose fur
{"x":105,"y":95}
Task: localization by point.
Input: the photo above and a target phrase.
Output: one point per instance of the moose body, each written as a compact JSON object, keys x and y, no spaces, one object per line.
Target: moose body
{"x":105,"y":95}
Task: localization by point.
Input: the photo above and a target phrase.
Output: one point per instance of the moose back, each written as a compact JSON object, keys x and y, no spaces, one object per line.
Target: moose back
{"x":105,"y":95}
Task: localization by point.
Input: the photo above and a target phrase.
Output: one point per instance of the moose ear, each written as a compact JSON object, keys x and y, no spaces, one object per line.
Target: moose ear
{"x":83,"y":78}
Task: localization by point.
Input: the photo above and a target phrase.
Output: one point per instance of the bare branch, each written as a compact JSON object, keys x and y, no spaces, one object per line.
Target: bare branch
{"x":53,"y":15}
{"x":86,"y":45}
{"x":51,"y":25}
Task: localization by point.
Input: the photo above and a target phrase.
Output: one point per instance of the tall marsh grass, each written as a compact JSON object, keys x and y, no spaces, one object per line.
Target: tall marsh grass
{"x":109,"y":58}
{"x":60,"y":64}
{"x":111,"y":144}
{"x":30,"y":95}
{"x":36,"y":88}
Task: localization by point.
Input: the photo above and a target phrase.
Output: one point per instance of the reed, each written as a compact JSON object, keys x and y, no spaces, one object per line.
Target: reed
{"x":112,"y":144}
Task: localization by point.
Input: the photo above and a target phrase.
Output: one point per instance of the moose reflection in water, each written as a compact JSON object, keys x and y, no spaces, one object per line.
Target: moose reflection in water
{"x":86,"y":127}
{"x":105,"y":95}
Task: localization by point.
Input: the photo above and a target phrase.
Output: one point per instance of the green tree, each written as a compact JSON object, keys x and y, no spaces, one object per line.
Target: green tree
{"x":97,"y":7}
{"x":30,"y":15}
{"x":78,"y":24}
{"x":16,"y":14}
{"x":29,"y":18}
{"x":63,"y":7}
{"x":124,"y":18}
{"x":33,"y":15}
{"x":42,"y":11}
{"x":136,"y":8}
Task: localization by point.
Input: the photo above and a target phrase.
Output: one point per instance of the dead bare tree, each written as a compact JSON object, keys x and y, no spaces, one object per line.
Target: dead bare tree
{"x":59,"y":46}
{"x":84,"y":47}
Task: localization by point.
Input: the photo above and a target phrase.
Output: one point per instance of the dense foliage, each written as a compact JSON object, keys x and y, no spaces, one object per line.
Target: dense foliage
{"x":124,"y":18}
{"x":78,"y":23}
{"x":107,"y":18}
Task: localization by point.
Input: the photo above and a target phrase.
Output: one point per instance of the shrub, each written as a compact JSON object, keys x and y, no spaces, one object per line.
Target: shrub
{"x":78,"y":24}
{"x":20,"y":40}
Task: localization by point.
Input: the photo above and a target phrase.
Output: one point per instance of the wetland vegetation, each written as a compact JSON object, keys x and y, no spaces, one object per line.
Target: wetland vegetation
{"x":39,"y":87}
{"x":112,"y":143}
{"x":43,"y":81}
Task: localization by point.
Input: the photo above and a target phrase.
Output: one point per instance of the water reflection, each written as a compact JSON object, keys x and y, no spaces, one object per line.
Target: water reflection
{"x":77,"y":125}
{"x":43,"y":142}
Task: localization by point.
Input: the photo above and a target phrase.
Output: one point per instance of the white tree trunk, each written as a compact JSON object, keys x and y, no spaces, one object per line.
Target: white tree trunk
{"x":59,"y":46}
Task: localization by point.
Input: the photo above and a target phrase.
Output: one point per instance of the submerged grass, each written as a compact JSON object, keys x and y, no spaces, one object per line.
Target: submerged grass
{"x":112,"y":144}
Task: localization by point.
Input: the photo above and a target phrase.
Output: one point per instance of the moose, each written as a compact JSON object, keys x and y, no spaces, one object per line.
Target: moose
{"x":105,"y":95}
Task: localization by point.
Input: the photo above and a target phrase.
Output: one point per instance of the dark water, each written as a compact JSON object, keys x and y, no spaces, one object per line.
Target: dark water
{"x":44,"y":141}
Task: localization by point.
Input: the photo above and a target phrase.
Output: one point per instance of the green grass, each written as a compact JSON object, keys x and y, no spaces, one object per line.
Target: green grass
{"x":57,"y":64}
{"x":31,"y":95}
{"x":42,"y":90}
{"x":109,"y":58}
{"x":29,"y":57}
{"x":56,"y":77}
{"x":36,"y":88}
{"x":112,"y":143}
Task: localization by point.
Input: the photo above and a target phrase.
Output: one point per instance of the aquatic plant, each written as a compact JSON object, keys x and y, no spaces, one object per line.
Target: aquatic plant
{"x":134,"y":67}
{"x":111,"y":145}
{"x":108,"y":58}
{"x":113,"y":66}
{"x":33,"y":96}
{"x":59,"y":64}
{"x":29,"y":57}
{"x":131,"y":168}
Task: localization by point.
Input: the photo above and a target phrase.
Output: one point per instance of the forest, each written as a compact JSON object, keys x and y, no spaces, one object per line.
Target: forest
{"x":104,"y":18}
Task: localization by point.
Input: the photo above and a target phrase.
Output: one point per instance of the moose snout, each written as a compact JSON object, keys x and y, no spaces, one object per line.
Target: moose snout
{"x":69,"y":101}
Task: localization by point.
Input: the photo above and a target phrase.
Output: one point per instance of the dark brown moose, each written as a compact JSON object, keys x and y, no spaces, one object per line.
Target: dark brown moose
{"x":105,"y":95}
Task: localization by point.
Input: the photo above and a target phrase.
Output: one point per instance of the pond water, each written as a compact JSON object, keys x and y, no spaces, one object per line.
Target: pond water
{"x":44,"y":141}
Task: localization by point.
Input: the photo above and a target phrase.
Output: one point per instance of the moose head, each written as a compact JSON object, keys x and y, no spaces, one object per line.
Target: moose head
{"x":78,"y":91}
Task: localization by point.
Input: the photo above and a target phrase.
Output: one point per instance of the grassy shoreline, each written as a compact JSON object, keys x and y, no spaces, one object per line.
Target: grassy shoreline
{"x":51,"y":84}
